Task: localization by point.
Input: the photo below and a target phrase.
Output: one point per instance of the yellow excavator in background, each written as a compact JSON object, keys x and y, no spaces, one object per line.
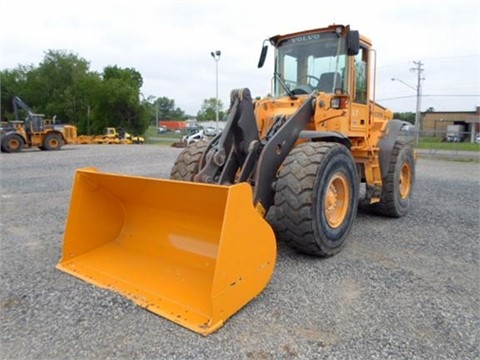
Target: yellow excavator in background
{"x":199,"y":246}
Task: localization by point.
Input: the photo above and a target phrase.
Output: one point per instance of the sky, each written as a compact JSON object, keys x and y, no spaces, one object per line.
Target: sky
{"x":169,"y":42}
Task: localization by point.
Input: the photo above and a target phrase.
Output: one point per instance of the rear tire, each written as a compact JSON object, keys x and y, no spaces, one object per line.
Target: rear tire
{"x":316,"y":198}
{"x":398,"y":185}
{"x":187,"y":164}
{"x":12,"y":143}
{"x":52,"y":141}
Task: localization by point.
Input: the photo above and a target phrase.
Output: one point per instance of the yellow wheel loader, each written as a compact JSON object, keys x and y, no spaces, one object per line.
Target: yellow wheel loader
{"x":34,"y":131}
{"x":197,"y":247}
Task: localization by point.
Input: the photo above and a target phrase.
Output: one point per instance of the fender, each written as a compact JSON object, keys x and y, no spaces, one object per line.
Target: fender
{"x":15,"y":133}
{"x":328,"y":136}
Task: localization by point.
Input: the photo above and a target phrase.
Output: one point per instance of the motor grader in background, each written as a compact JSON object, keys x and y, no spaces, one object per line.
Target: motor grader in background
{"x":197,"y":247}
{"x":34,"y":131}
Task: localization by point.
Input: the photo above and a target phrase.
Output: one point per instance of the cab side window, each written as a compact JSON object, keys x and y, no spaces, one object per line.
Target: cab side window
{"x":361,"y":69}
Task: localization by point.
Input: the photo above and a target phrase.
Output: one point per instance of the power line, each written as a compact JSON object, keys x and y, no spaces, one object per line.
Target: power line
{"x":431,"y":95}
{"x":383,"y":67}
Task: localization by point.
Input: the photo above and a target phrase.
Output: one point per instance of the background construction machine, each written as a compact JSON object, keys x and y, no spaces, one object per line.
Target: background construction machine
{"x":34,"y":131}
{"x":110,"y":136}
{"x":197,"y":248}
{"x":120,"y":136}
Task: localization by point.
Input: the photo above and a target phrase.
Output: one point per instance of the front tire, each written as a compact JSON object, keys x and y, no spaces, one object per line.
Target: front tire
{"x":188,"y":162}
{"x":316,"y":198}
{"x":12,"y":143}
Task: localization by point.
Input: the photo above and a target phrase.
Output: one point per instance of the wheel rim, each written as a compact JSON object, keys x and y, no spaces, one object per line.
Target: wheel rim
{"x":337,"y":200}
{"x":14,"y":144}
{"x":405,"y":180}
{"x":53,"y":143}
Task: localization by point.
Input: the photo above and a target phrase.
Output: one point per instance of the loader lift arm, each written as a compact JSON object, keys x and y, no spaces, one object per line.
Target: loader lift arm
{"x":34,"y":122}
{"x":17,"y":102}
{"x":239,"y":155}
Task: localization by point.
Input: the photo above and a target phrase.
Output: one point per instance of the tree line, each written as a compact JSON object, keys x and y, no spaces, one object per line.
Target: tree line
{"x":63,"y":85}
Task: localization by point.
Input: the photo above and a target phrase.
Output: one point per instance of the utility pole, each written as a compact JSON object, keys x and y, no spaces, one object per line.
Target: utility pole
{"x":419,"y":69}
{"x":216,"y":56}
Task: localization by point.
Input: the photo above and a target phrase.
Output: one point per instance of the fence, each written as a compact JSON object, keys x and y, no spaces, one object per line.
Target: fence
{"x":461,"y":144}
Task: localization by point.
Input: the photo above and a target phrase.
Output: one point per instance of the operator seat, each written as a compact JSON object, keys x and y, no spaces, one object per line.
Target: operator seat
{"x":326,"y":82}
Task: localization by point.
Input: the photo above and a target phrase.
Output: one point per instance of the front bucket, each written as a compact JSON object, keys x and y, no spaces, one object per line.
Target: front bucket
{"x":192,"y":253}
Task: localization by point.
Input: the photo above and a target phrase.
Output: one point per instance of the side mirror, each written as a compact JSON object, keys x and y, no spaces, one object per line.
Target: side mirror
{"x":263,"y":55}
{"x":353,"y":42}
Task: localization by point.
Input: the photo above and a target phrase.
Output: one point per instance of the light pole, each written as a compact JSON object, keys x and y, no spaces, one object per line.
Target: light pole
{"x":418,"y":89}
{"x":216,"y":56}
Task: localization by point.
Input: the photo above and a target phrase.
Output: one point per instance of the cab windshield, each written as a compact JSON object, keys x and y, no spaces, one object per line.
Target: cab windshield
{"x":310,"y":62}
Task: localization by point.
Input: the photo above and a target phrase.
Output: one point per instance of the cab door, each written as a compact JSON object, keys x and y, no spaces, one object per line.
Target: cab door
{"x":360,"y":118}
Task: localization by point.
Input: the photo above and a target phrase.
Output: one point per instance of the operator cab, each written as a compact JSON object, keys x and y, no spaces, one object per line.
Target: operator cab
{"x":312,"y":61}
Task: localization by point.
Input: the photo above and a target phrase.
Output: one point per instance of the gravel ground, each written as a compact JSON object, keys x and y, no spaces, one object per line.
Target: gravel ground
{"x":401,"y":289}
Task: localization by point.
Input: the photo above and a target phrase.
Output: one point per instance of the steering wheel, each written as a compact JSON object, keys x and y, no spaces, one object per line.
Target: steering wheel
{"x":301,"y":88}
{"x":309,"y":78}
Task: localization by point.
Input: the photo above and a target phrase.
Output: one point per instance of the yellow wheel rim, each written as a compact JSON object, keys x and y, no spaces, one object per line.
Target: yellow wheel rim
{"x":337,"y":200}
{"x":14,"y":144}
{"x":405,"y":180}
{"x":53,"y":143}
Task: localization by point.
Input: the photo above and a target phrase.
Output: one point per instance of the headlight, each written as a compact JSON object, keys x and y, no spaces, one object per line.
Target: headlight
{"x":339,"y":102}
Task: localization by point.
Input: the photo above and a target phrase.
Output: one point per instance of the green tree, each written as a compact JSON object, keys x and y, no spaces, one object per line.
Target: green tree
{"x":82,"y":98}
{"x":62,"y":84}
{"x":129,"y":76}
{"x":116,"y":102}
{"x":165,"y":109}
{"x":13,"y":83}
{"x":405,"y":116}
{"x":208,"y":110}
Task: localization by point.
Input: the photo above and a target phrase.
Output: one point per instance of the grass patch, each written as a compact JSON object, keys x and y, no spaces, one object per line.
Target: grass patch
{"x":433,"y":143}
{"x":166,"y":139}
